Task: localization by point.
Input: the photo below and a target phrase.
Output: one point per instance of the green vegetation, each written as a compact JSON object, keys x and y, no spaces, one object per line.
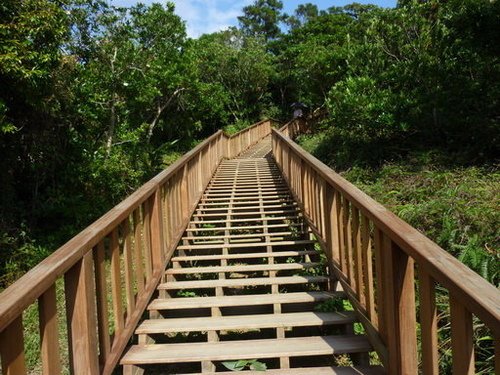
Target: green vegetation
{"x":246,"y":364}
{"x":96,"y":99}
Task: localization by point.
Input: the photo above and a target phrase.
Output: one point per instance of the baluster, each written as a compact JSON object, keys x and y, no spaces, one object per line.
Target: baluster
{"x":379,"y":272}
{"x":341,"y":239}
{"x":322,"y":209}
{"x":462,"y":345}
{"x":156,"y":225}
{"x":428,"y":323}
{"x":12,"y":348}
{"x":366,"y":252}
{"x":400,"y":309}
{"x":102,"y":302}
{"x":116,"y":283}
{"x":81,"y":317}
{"x":138,"y":251}
{"x":332,"y":228}
{"x":49,"y":337}
{"x":347,"y":228}
{"x":127,"y":262}
{"x":146,"y":225}
{"x":357,"y":256}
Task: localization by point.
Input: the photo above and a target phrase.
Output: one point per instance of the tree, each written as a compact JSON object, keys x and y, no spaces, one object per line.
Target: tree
{"x":303,"y":14}
{"x":262,"y":19}
{"x":239,"y":69}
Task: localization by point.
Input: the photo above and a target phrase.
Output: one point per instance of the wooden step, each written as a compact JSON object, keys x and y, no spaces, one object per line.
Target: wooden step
{"x":244,"y":349}
{"x":243,"y":179}
{"x":236,"y":203}
{"x":245,"y":322}
{"x":242,"y":282}
{"x":242,"y":191}
{"x":284,"y":195}
{"x":245,"y":245}
{"x":275,"y":254}
{"x":249,"y":227}
{"x":242,"y":268}
{"x":273,"y":218}
{"x":253,"y":213}
{"x":356,"y":370}
{"x":235,"y":236}
{"x":246,"y":208}
{"x":242,"y":194}
{"x":234,"y":185}
{"x":242,"y":300}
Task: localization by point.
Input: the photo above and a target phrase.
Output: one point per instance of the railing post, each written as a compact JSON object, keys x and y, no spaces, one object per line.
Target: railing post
{"x":400,"y":310}
{"x":157,"y":244}
{"x":462,"y":344}
{"x":428,"y":323}
{"x":12,"y":348}
{"x":81,"y":317}
{"x":49,"y":338}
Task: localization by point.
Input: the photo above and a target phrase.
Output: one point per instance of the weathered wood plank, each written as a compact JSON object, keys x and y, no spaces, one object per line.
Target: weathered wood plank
{"x":49,"y":337}
{"x":233,"y":350}
{"x":116,"y":283}
{"x":12,"y":348}
{"x":462,"y":344}
{"x":428,"y":321}
{"x":81,"y":317}
{"x":102,"y":302}
{"x":400,"y":316}
{"x":242,"y":300}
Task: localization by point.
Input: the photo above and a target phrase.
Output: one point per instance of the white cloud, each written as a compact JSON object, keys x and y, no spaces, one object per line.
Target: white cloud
{"x":208,"y":16}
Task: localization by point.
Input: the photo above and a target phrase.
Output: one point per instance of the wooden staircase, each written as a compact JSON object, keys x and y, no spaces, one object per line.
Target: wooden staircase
{"x":248,"y":281}
{"x":241,"y":255}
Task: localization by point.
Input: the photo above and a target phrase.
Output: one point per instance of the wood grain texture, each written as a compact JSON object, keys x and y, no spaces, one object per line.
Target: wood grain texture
{"x":245,"y":322}
{"x":49,"y":332}
{"x":428,"y":321}
{"x":233,"y":350}
{"x":102,"y":302}
{"x":242,"y":300}
{"x":81,"y":317}
{"x":462,"y":345}
{"x":12,"y":349}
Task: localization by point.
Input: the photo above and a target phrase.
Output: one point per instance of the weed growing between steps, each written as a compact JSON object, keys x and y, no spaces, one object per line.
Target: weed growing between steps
{"x":247,"y":364}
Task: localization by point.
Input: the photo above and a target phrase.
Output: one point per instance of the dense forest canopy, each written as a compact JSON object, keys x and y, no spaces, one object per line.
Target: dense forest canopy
{"x":95,"y":99}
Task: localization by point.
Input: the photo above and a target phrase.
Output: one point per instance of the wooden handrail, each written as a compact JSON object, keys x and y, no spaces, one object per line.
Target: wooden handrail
{"x":113,"y":265}
{"x":245,"y":138}
{"x":374,"y":253}
{"x":294,"y":127}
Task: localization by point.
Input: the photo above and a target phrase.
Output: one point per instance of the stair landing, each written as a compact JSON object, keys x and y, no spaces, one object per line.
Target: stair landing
{"x":248,"y":282}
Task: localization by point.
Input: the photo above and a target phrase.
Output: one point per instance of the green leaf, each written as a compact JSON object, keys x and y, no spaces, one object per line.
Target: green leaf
{"x":258,"y":366}
{"x":234,"y":365}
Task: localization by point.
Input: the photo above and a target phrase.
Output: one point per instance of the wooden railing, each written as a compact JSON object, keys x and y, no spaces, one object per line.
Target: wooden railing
{"x":247,"y":137}
{"x":374,"y":255}
{"x":294,"y":127}
{"x":111,"y":269}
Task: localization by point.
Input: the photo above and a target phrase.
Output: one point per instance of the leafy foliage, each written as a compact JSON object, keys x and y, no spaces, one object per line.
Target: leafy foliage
{"x":250,"y":364}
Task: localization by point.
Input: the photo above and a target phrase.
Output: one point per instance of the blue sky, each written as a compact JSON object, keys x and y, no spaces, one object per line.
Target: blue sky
{"x":207,"y":16}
